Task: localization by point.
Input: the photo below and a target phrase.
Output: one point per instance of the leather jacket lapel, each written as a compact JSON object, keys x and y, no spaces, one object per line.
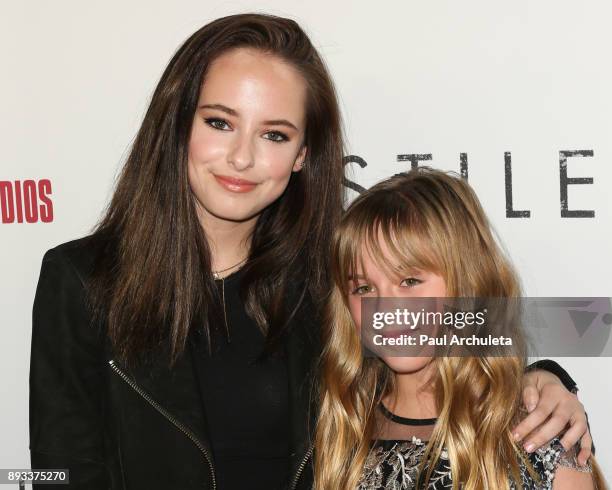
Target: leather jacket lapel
{"x":176,"y":390}
{"x":302,"y":349}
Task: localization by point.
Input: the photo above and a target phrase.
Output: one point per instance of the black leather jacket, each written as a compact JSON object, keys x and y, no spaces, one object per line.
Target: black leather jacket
{"x":142,"y":428}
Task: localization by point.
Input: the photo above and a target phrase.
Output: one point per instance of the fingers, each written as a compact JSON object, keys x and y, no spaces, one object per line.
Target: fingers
{"x":585,"y":448}
{"x":531,"y":422}
{"x":530,"y":396}
{"x":556,"y":410}
{"x":574,"y":434}
{"x":549,"y":418}
{"x":546,"y":432}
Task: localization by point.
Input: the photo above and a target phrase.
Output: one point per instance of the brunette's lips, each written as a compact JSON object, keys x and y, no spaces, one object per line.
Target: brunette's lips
{"x":234,"y":184}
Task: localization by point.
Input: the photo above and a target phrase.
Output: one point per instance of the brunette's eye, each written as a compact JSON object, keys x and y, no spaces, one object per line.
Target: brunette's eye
{"x":363,"y":289}
{"x":217,"y":123}
{"x":276,"y":136}
{"x":410,"y":282}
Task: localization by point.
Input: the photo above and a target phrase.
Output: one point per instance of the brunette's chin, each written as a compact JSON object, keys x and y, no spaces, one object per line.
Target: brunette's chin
{"x":228,"y":212}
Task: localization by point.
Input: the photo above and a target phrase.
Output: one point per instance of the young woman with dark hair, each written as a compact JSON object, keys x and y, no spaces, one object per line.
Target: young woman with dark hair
{"x":174,"y":346}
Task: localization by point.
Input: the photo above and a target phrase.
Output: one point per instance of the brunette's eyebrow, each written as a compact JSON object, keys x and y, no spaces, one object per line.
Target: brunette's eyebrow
{"x":232,"y":112}
{"x":280,"y":122}
{"x":220,"y":107}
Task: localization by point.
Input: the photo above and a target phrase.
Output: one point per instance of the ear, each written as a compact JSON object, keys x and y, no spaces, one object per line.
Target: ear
{"x":300,"y":159}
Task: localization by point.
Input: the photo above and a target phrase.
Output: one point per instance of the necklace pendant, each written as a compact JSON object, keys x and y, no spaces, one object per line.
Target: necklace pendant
{"x":216,"y":274}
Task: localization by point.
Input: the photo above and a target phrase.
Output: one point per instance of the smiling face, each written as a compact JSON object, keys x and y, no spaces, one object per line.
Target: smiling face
{"x":247,"y":135}
{"x":372,"y":280}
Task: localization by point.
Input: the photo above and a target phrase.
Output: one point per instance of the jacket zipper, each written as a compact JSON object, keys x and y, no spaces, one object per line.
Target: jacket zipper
{"x":162,"y":411}
{"x":300,"y":469}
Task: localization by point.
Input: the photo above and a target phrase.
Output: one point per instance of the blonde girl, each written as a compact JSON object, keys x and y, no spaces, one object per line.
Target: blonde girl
{"x":424,"y":422}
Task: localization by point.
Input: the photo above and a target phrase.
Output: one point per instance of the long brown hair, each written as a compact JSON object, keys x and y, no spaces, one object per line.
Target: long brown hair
{"x":152,"y":280}
{"x":431,"y":220}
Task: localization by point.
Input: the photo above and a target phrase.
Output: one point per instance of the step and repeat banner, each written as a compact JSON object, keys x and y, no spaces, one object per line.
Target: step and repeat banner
{"x":515,"y":97}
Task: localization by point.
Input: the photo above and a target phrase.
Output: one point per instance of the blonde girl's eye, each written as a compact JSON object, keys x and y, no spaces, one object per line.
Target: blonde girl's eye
{"x":363,"y":289}
{"x":410,"y":282}
{"x":216,"y":123}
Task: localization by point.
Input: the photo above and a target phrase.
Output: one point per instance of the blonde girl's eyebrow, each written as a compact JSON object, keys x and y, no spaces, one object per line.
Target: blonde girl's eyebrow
{"x":409,"y":269}
{"x":352,"y":277}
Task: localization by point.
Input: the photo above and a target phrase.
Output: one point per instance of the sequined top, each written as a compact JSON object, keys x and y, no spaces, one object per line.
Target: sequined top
{"x":392,"y":464}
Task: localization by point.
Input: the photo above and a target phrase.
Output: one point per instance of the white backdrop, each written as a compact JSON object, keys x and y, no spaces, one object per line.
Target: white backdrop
{"x":438,"y":77}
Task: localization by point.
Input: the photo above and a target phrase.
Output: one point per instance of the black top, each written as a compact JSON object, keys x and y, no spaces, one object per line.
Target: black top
{"x":249,"y":424}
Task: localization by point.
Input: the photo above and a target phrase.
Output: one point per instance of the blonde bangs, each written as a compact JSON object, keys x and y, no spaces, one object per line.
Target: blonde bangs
{"x":397,"y":240}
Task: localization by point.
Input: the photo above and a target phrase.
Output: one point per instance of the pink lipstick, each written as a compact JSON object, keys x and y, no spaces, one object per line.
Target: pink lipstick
{"x":234,"y":184}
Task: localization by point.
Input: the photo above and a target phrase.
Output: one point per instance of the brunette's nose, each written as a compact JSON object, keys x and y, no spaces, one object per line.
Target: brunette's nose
{"x":241,"y":155}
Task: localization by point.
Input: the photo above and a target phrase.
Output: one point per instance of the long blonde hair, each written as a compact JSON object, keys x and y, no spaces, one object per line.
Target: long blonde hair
{"x":431,"y":220}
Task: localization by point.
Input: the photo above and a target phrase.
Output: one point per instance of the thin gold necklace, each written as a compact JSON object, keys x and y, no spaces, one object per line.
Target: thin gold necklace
{"x":227,"y":333}
{"x":216,"y":275}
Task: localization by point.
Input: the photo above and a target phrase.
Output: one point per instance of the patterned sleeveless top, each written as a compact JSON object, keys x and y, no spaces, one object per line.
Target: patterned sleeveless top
{"x":393,"y":463}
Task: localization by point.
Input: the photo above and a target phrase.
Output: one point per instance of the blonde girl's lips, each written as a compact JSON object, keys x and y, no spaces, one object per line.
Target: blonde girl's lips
{"x":399,"y":332}
{"x":233,"y":184}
